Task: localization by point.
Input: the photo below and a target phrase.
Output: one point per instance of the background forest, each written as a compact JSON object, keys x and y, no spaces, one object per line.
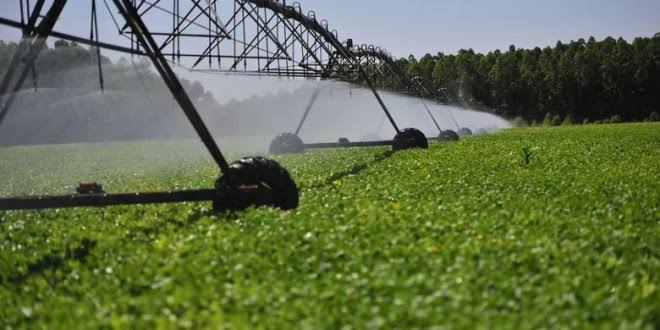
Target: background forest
{"x":579,"y":82}
{"x":576,"y":82}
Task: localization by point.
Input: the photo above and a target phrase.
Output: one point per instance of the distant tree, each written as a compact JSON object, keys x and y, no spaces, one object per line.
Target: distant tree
{"x":61,"y":43}
{"x":519,"y":122}
{"x":654,"y":116}
{"x":68,"y":65}
{"x":196,"y":90}
{"x":547,"y":120}
{"x":413,"y":68}
{"x":584,"y":79}
{"x":556,"y":120}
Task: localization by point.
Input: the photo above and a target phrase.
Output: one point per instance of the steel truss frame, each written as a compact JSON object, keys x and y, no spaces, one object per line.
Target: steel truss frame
{"x":254,"y":37}
{"x":33,"y":41}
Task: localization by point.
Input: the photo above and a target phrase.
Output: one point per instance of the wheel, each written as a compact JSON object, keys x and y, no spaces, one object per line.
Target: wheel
{"x":255,"y":181}
{"x":448,"y":135}
{"x":464,"y":131}
{"x":410,"y":138}
{"x":344,"y":141}
{"x":287,"y":143}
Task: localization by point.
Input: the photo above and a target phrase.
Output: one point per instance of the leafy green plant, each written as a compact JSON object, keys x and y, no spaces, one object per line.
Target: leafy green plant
{"x":519,"y":122}
{"x":616,"y":119}
{"x":654,"y":116}
{"x":547,"y":120}
{"x":527,"y":154}
{"x":449,"y":237}
{"x":556,"y":120}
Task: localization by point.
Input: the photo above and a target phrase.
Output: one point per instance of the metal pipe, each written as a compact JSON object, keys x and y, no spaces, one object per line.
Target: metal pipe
{"x":64,"y":36}
{"x":348,"y":145}
{"x":102,"y":200}
{"x":315,"y":96}
{"x":146,"y":40}
{"x":291,"y":13}
{"x":28,"y":53}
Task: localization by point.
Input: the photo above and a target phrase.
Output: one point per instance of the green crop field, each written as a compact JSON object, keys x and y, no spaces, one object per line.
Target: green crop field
{"x":463,"y":235}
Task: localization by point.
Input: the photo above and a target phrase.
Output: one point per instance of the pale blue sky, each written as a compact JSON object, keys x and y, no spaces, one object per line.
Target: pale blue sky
{"x":420,"y":26}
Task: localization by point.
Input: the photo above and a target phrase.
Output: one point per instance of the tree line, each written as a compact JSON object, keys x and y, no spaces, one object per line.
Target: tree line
{"x":63,"y":101}
{"x":68,"y":65}
{"x":581,"y":81}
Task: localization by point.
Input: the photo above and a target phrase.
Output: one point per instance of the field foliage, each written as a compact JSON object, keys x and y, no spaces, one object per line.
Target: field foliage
{"x":527,"y":228}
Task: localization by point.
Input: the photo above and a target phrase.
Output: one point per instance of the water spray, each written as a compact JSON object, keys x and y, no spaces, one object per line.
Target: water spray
{"x":258,"y":37}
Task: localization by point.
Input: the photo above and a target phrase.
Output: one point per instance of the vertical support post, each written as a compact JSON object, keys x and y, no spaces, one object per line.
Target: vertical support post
{"x":144,"y":37}
{"x":378,"y":98}
{"x":29,"y":50}
{"x":403,"y":78}
{"x":94,"y":33}
{"x":435,"y":122}
{"x":315,"y":96}
{"x":23,"y":47}
{"x":311,"y":103}
{"x":351,"y":56}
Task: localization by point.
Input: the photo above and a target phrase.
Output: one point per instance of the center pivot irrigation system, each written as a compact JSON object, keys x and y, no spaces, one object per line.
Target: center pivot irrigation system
{"x":247,"y":37}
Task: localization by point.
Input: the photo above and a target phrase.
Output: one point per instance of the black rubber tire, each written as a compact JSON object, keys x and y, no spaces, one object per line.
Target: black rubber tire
{"x":344,"y":141}
{"x":448,"y":135}
{"x":271,"y":178}
{"x":410,"y":138}
{"x":286,"y":143}
{"x":464,"y":132}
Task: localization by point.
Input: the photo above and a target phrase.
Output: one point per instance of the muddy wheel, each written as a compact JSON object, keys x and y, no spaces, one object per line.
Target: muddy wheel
{"x":286,"y":143}
{"x":255,"y":181}
{"x":410,"y":138}
{"x":464,"y":132}
{"x":448,"y":135}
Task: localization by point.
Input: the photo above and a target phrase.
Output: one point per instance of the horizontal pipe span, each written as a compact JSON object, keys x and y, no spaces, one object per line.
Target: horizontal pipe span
{"x":291,"y":13}
{"x":64,"y":36}
{"x":348,"y":145}
{"x":101,"y":200}
{"x":374,"y":53}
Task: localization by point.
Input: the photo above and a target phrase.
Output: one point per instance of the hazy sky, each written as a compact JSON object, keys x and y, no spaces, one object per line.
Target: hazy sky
{"x":420,"y":26}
